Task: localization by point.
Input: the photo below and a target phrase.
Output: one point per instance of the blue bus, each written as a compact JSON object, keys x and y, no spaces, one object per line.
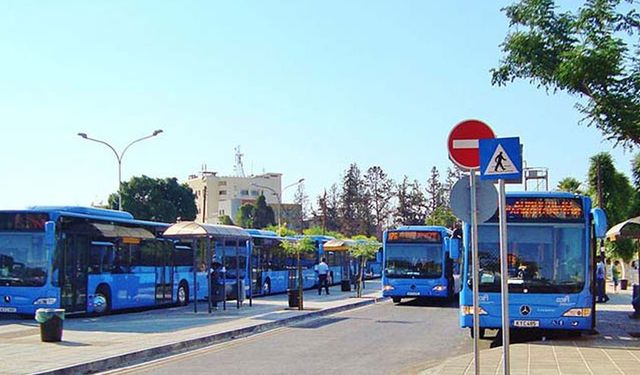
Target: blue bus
{"x":90,"y":260}
{"x":551,"y":263}
{"x":274,"y":271}
{"x":417,"y":263}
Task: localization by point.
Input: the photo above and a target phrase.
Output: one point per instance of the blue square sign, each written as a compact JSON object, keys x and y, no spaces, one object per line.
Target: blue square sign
{"x":500,"y":158}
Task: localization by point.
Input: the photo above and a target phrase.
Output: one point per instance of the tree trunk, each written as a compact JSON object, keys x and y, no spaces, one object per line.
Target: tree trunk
{"x":360,"y":277}
{"x":300,"y":284}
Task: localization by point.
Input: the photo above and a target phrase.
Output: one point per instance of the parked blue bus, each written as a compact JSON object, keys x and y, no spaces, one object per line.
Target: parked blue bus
{"x":417,"y":263}
{"x":91,"y":260}
{"x":551,"y":261}
{"x":272,"y":269}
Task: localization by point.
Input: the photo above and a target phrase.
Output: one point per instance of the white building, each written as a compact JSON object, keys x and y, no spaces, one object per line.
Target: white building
{"x":218,"y":196}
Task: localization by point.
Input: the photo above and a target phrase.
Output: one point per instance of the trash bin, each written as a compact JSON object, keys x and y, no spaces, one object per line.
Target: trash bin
{"x":623,"y":284}
{"x":294,"y":297}
{"x":50,"y":324}
{"x":345,"y":285}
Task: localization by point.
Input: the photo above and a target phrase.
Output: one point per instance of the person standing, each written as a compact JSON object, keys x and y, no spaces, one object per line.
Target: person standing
{"x":600,"y":278}
{"x":615,"y":275}
{"x":323,"y":273}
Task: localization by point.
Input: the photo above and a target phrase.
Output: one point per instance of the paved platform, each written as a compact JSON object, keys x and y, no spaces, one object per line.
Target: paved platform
{"x":614,"y":350}
{"x":93,"y":344}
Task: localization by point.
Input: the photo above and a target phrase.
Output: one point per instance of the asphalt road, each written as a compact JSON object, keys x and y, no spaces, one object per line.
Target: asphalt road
{"x":378,"y":339}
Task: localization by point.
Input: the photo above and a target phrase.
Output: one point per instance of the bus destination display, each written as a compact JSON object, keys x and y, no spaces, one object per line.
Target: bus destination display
{"x":414,"y":236}
{"x":544,"y":209}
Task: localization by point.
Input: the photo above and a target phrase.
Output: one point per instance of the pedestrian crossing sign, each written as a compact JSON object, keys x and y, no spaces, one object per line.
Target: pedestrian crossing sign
{"x":500,"y":158}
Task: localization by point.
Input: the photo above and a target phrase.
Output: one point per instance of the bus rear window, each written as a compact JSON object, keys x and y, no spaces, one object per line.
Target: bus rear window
{"x":21,"y":221}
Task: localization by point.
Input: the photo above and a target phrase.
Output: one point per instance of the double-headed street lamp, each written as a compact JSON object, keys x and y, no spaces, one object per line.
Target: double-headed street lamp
{"x":119,"y":157}
{"x":278,"y":196}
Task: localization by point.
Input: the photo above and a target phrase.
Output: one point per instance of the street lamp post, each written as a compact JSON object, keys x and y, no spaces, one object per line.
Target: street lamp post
{"x":278,"y":196}
{"x":119,"y":157}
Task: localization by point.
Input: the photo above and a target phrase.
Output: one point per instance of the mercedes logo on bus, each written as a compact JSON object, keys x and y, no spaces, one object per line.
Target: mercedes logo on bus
{"x":525,"y":310}
{"x":7,"y":299}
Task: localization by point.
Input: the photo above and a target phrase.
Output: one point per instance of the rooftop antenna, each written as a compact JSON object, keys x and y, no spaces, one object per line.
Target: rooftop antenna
{"x":238,"y":168}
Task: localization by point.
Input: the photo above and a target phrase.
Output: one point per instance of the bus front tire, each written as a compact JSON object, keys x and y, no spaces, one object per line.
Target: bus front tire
{"x":481,"y":330}
{"x":102,"y":301}
{"x":396,"y":299}
{"x":183,"y":294}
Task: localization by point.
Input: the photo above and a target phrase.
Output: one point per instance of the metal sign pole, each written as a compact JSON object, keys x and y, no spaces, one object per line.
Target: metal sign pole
{"x":504,"y":272}
{"x":194,"y":248}
{"x":208,"y":268}
{"x":476,"y":270}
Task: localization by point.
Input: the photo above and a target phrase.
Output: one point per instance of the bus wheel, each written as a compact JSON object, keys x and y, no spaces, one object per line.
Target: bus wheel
{"x":482,"y":332}
{"x":396,"y":299}
{"x":102,"y":301}
{"x":266,"y":288}
{"x":183,"y":294}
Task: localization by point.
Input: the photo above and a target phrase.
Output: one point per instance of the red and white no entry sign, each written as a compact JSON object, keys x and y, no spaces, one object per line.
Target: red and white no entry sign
{"x":464,"y":143}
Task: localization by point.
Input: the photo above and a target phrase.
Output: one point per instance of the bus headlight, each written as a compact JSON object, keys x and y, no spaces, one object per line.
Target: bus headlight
{"x":468,"y":310}
{"x":584,"y":312}
{"x":439,"y":288}
{"x":388,"y":288}
{"x":45,"y":301}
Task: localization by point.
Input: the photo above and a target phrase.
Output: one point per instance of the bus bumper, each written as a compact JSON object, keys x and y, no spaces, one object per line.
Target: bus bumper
{"x":563,"y":323}
{"x":415,"y":289}
{"x":25,"y":300}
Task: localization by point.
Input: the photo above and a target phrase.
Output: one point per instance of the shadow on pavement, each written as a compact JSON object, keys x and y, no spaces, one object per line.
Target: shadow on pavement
{"x":430,"y":302}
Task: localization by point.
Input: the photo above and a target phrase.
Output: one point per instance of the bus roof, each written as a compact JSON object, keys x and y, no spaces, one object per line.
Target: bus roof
{"x":431,"y":228}
{"x":91,"y":213}
{"x":262,"y":233}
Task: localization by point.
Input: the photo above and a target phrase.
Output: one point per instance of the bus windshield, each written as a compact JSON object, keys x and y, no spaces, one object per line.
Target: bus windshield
{"x":413,"y":260}
{"x":22,"y":259}
{"x":541,"y":258}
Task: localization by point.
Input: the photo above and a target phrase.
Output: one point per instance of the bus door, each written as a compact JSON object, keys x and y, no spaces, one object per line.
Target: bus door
{"x":257,"y":282}
{"x":164,"y":272}
{"x":73,"y":272}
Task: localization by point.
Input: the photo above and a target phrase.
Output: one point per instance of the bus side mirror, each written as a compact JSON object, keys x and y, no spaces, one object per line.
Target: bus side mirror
{"x":454,"y":248}
{"x":599,"y":222}
{"x":50,"y":233}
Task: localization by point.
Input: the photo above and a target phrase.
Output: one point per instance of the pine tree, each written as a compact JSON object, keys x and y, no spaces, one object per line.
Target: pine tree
{"x":380,"y":189}
{"x":435,"y":192}
{"x":302,"y":200}
{"x":350,"y":201}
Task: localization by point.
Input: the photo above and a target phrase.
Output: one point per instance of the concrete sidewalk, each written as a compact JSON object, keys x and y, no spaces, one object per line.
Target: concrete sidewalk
{"x":94,"y":344}
{"x":615,"y":350}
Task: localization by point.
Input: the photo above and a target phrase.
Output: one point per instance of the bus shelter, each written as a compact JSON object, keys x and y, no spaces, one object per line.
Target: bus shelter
{"x":208,"y":234}
{"x":629,"y":229}
{"x":339,"y":251}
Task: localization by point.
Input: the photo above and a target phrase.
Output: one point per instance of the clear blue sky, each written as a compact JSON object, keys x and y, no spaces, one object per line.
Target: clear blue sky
{"x":305,"y":88}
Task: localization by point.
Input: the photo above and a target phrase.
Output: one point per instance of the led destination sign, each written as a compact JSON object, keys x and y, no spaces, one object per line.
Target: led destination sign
{"x":414,"y":236}
{"x":529,"y":209}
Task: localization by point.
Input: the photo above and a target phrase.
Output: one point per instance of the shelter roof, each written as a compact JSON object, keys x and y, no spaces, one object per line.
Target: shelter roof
{"x":192,"y":229}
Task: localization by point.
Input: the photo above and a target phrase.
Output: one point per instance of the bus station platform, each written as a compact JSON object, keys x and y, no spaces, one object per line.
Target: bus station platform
{"x":614,"y":350}
{"x":94,"y":344}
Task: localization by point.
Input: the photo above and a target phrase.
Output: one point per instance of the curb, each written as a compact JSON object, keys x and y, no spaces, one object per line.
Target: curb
{"x":149,"y":354}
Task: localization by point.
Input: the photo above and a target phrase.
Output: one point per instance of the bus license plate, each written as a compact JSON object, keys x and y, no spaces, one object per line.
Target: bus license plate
{"x":413,"y":293}
{"x":526,"y":323}
{"x":8,"y":309}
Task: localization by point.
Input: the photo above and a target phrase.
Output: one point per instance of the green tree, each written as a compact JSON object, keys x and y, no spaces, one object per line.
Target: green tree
{"x":281,"y":231}
{"x":364,"y":248}
{"x":263,"y":215}
{"x":353,"y":202}
{"x":592,"y":53}
{"x":612,"y":191}
{"x":442,"y":216}
{"x":411,"y":203}
{"x":297,"y":248}
{"x":569,"y":184}
{"x":635,"y":170}
{"x":226,"y":220}
{"x":380,"y":191}
{"x":319,"y":231}
{"x":328,"y":213}
{"x":156,"y":199}
{"x":435,"y":192}
{"x":302,"y":199}
{"x":244,"y":216}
